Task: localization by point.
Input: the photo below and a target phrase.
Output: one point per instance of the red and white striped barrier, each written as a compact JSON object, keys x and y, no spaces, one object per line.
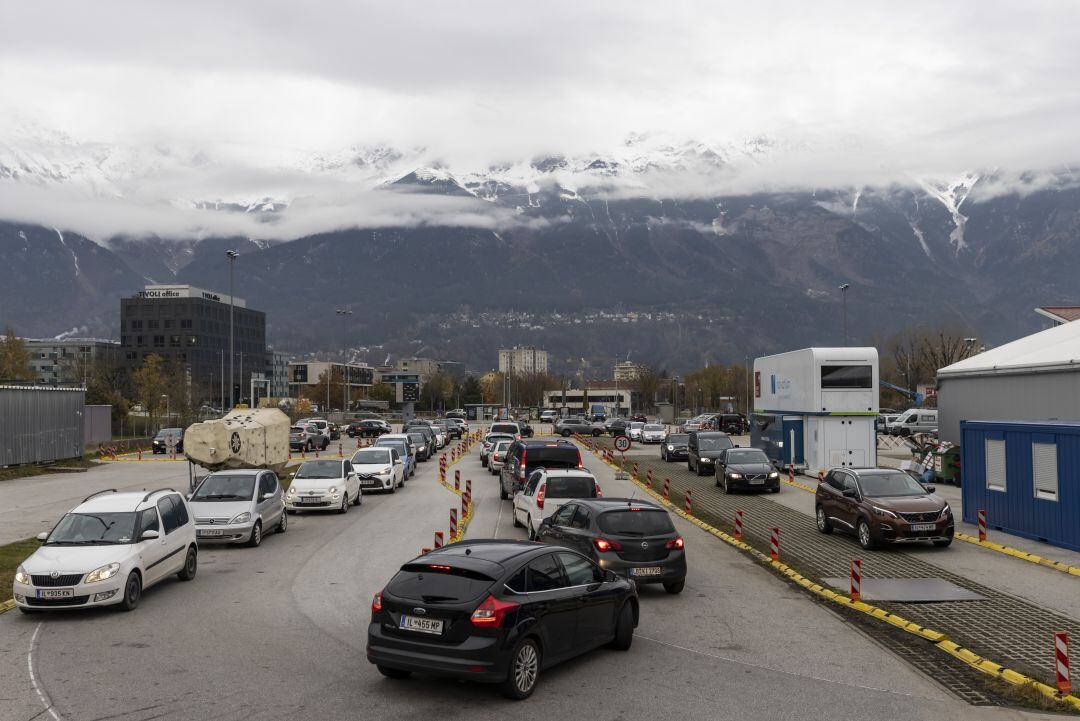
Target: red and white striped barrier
{"x":438,"y":539}
{"x":457,"y":480}
{"x":635,"y":471}
{"x":648,"y":477}
{"x":738,"y":525}
{"x":468,"y":489}
{"x":667,"y":488}
{"x":791,"y":473}
{"x":464,"y":506}
{"x":339,"y":453}
{"x":453,"y":523}
{"x":358,"y":441}
{"x":821,"y":476}
{"x":686,"y":502}
{"x":424,"y":551}
{"x":774,"y":544}
{"x":856,"y":579}
{"x":982,"y":524}
{"x":1061,"y":656}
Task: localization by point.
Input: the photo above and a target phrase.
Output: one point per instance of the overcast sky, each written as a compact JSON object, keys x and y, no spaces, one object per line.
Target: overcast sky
{"x":873,"y":90}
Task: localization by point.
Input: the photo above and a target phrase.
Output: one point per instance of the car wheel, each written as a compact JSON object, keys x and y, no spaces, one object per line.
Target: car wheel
{"x":396,"y":673}
{"x":862,"y":531}
{"x":310,"y":446}
{"x":256,"y":535}
{"x":502,"y":492}
{"x":774,"y":490}
{"x":532,"y":533}
{"x":325,"y":444}
{"x":596,"y":434}
{"x":393,"y":486}
{"x":344,"y":503}
{"x":132,"y":592}
{"x":566,"y":434}
{"x":483,"y":461}
{"x":191,"y":565}
{"x":283,"y":524}
{"x":823,"y":524}
{"x":517,"y":523}
{"x":524,"y":671}
{"x":944,"y":544}
{"x":624,"y":629}
{"x":359,"y":497}
{"x":675,"y":587}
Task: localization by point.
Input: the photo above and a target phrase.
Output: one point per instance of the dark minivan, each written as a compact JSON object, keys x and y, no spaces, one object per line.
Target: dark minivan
{"x":524,"y":457}
{"x":702,"y":449}
{"x":497,"y":611}
{"x":632,"y":537}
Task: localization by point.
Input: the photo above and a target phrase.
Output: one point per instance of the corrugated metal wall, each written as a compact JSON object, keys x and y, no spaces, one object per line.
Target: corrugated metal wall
{"x":97,"y":425}
{"x":1030,"y":397}
{"x":40,"y":423}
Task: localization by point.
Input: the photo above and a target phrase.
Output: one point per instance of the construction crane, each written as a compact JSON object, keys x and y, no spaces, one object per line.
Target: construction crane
{"x":914,"y":396}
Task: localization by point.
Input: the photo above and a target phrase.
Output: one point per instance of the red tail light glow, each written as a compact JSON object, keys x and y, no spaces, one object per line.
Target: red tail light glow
{"x":603,"y":545}
{"x":599,"y":493}
{"x":676,"y":543}
{"x":524,"y":453}
{"x":491,"y":612}
{"x":540,"y":496}
{"x":376,"y":602}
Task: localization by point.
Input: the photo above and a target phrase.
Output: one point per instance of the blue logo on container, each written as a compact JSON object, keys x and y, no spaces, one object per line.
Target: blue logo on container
{"x":772,"y":383}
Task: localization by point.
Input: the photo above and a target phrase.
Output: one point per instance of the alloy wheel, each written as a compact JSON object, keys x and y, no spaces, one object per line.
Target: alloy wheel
{"x":525,"y":668}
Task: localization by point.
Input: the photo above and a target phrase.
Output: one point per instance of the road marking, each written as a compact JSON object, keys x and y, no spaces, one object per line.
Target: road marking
{"x":44,"y":697}
{"x":764,"y":667}
{"x":498,"y":519}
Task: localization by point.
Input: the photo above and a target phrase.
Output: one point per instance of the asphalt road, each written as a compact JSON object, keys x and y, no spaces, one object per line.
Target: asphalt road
{"x":278,"y":632}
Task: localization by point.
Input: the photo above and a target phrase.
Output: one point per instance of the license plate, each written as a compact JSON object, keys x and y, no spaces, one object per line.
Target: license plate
{"x":55,"y":592}
{"x":217,"y":532}
{"x":923,"y":526}
{"x":423,"y":625}
{"x":646,"y":571}
{"x":367,"y":481}
{"x":309,"y":500}
{"x":757,"y":481}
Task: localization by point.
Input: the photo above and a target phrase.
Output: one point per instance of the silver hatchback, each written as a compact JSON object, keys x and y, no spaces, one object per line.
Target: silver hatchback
{"x":238,"y":507}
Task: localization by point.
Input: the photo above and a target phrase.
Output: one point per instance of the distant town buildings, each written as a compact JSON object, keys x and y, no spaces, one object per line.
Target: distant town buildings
{"x":68,"y":360}
{"x":627,"y":371}
{"x":523,"y":359}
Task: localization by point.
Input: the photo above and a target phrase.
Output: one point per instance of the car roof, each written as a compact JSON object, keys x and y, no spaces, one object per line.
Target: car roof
{"x":869,"y":471}
{"x":609,"y":504}
{"x":579,"y":472}
{"x":550,"y":443}
{"x":128,"y":501}
{"x":491,"y":550}
{"x":393,"y":437}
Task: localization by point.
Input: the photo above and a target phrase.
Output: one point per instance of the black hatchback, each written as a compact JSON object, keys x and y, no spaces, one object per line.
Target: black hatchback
{"x":497,"y":611}
{"x":632,"y":537}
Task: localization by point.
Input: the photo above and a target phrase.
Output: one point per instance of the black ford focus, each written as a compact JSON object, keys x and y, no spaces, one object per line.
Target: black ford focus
{"x":497,"y":611}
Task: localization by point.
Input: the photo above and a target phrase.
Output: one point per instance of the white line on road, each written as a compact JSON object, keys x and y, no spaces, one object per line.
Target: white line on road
{"x":45,"y":700}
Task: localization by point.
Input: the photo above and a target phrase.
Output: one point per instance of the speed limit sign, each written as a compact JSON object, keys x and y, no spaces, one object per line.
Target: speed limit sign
{"x":622,"y":444}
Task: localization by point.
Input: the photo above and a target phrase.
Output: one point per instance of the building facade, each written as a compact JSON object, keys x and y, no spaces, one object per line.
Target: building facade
{"x":69,"y":360}
{"x":190,"y":326}
{"x":522,"y":360}
{"x":424,"y":368}
{"x":277,"y":370}
{"x":626,"y":371}
{"x":305,"y":377}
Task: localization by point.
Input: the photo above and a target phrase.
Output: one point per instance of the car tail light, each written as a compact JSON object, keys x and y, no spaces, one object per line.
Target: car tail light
{"x":524,"y":453}
{"x":579,"y":465}
{"x":604,"y":545}
{"x":376,"y":602}
{"x":599,"y":493}
{"x":676,"y":543}
{"x":491,"y":612}
{"x":540,"y":497}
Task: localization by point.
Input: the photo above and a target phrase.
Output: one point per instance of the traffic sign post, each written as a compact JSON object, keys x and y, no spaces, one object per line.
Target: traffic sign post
{"x":622,"y":445}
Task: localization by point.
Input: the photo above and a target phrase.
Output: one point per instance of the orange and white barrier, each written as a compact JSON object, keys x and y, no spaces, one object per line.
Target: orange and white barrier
{"x":791,"y":473}
{"x":648,"y":477}
{"x":738,"y":524}
{"x":457,"y":480}
{"x":438,"y":539}
{"x":667,"y":488}
{"x":453,"y":523}
{"x":468,"y":489}
{"x":687,"y":503}
{"x":774,"y":544}
{"x":1061,"y":656}
{"x":635,"y":471}
{"x":856,"y":579}
{"x":982,"y":524}
{"x":339,"y":453}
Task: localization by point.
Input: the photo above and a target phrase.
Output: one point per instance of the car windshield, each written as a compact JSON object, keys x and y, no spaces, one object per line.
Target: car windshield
{"x":91,"y":529}
{"x":370,"y":456}
{"x":319,"y":469}
{"x":225,"y":487}
{"x":169,"y":432}
{"x":637,"y":424}
{"x":653,"y":427}
{"x":635,"y":522}
{"x":676,"y":438}
{"x":747,"y":456}
{"x":570,"y":487}
{"x":890,"y":484}
{"x":714,"y":443}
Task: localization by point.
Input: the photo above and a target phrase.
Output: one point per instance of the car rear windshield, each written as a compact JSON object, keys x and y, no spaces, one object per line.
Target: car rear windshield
{"x":747,"y":456}
{"x":553,"y":456}
{"x":890,"y":484}
{"x":319,"y":469}
{"x":370,"y":456}
{"x":635,"y":522}
{"x":714,"y":443}
{"x":225,"y":487}
{"x":434,"y":583}
{"x":396,"y":443}
{"x":504,"y":428}
{"x":570,"y":487}
{"x":296,"y":429}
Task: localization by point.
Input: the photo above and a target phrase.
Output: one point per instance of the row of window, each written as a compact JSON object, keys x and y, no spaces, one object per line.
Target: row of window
{"x":553,"y":571}
{"x":173,"y":515}
{"x":1044,"y":468}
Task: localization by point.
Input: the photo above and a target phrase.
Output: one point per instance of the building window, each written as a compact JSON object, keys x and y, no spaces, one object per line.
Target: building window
{"x":1045,"y":470}
{"x":140,"y":341}
{"x":136,"y":325}
{"x":995,"y":464}
{"x":131,"y":355}
{"x":152,"y":324}
{"x":159,"y":341}
{"x":168,"y":323}
{"x":174,"y":341}
{"x":860,"y":376}
{"x":185,"y":324}
{"x":123,"y":340}
{"x":193,"y":340}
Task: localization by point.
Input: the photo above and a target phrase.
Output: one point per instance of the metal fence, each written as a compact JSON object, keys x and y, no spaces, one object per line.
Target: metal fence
{"x":97,"y":425}
{"x":40,"y":423}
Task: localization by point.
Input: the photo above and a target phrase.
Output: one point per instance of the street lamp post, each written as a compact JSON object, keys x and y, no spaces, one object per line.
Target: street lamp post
{"x":344,"y":314}
{"x":843,"y":299}
{"x":232,"y":256}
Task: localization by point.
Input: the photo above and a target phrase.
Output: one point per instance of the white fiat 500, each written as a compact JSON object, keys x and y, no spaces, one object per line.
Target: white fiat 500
{"x":379,"y":468}
{"x":326,"y":485}
{"x":107,"y":550}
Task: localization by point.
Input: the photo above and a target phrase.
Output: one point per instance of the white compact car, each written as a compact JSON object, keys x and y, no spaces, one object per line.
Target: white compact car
{"x":489,"y":442}
{"x":324,"y":485}
{"x":107,"y":550}
{"x":498,"y":457}
{"x":634,"y":430}
{"x":545,"y":491}
{"x":379,"y":468}
{"x":653,"y":433}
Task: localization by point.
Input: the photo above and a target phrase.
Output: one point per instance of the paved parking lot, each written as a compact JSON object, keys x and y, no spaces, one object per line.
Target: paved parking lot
{"x":279,"y":632}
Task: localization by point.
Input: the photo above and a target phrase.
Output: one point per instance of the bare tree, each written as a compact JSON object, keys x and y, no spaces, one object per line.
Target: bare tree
{"x":647,"y":384}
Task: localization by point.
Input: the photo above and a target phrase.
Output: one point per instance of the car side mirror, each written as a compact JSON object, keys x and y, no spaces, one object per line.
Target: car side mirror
{"x":546,"y":522}
{"x":43,"y":536}
{"x":266,"y":496}
{"x":610,"y":576}
{"x":931,"y":489}
{"x":149,"y":535}
{"x":848,"y":493}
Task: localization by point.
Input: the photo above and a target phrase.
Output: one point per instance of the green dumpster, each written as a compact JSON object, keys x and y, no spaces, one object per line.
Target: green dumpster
{"x":947,"y":465}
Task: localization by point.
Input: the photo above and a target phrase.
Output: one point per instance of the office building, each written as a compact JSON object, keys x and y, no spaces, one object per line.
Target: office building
{"x":424,"y":368}
{"x":69,"y":360}
{"x":277,"y":370}
{"x":523,"y":360}
{"x":190,"y":326}
{"x":309,"y":378}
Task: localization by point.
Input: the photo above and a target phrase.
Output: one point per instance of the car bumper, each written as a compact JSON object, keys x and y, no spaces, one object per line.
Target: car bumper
{"x":377,"y":483}
{"x":321,"y":503}
{"x":232,"y":533}
{"x":769,"y":484}
{"x":102,"y":593}
{"x":480,"y":658}
{"x":672,"y":568}
{"x":893,"y":532}
{"x":652,"y":439}
{"x":677,"y":454}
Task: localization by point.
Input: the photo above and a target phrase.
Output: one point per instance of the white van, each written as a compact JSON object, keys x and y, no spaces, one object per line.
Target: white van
{"x":915,"y":420}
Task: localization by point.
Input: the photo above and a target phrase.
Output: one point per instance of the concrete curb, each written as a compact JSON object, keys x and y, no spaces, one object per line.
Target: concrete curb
{"x":1017,"y":553}
{"x":7,"y":605}
{"x":938,"y":639}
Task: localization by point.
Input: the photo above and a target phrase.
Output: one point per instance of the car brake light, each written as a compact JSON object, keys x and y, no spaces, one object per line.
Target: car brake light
{"x":579,"y":465}
{"x":376,"y":602}
{"x":676,"y":542}
{"x":524,"y":453}
{"x":603,"y":545}
{"x":540,"y":497}
{"x":491,"y":612}
{"x":599,"y":493}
